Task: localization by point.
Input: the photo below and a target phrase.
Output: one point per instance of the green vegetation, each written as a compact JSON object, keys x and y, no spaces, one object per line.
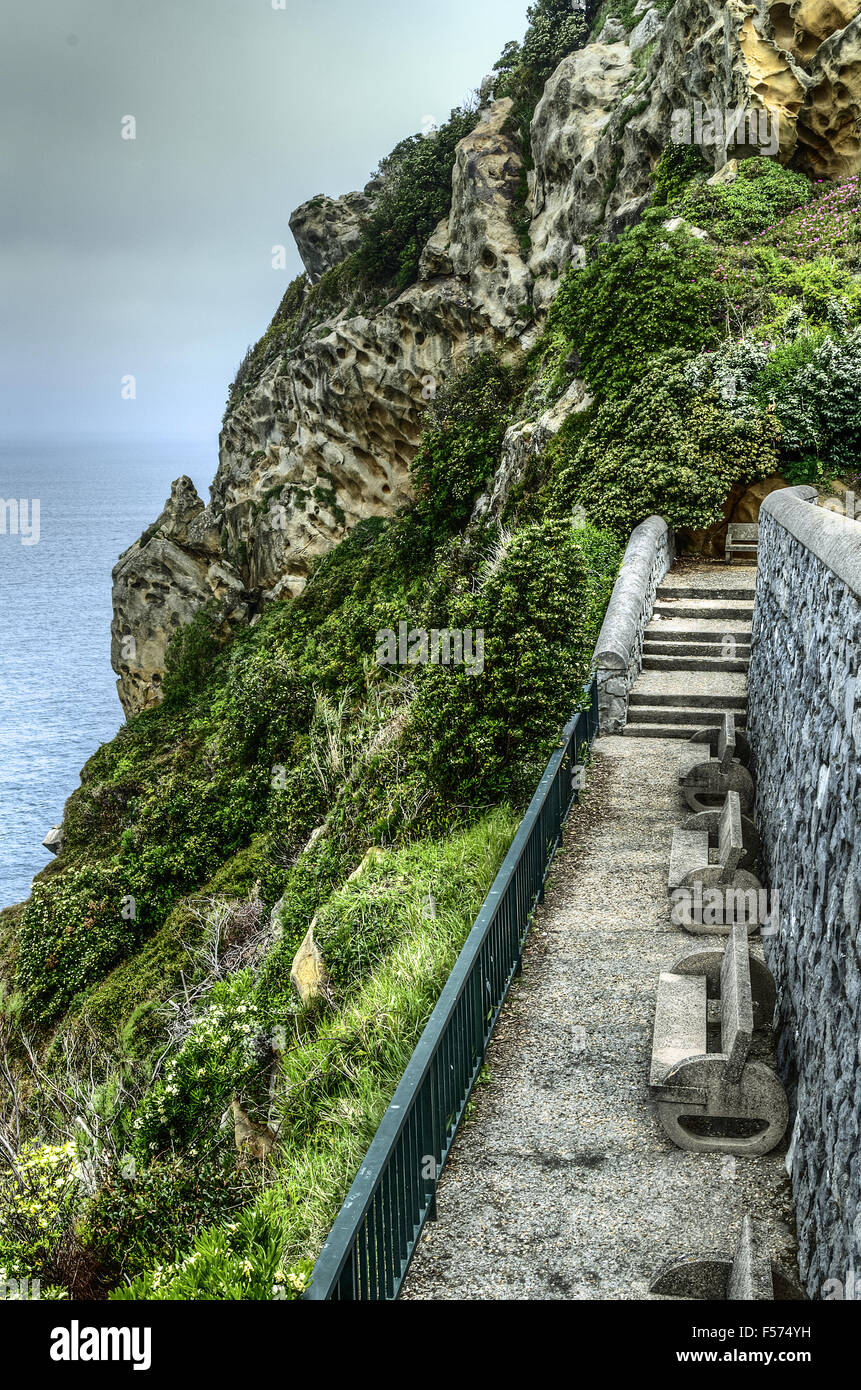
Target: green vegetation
{"x":416,"y":194}
{"x":222,"y":1116}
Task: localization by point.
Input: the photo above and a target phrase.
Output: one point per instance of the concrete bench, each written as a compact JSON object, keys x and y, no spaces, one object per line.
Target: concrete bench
{"x":708,"y":897}
{"x":725,"y":744}
{"x":708,"y":822}
{"x":742,"y":541}
{"x":706,"y":781}
{"x":716,"y":1101}
{"x":749,"y":1276}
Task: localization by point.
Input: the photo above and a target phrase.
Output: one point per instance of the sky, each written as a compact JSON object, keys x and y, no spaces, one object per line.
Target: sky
{"x":152,"y":258}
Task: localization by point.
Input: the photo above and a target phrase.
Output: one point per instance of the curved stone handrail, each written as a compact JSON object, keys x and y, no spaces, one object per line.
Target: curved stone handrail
{"x":619,"y":650}
{"x":834,"y":539}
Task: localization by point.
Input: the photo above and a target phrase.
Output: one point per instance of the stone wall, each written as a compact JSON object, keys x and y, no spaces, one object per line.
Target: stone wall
{"x":804,"y":723}
{"x":619,"y":650}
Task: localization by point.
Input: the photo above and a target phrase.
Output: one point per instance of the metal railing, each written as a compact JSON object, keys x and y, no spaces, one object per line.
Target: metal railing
{"x":375,"y":1234}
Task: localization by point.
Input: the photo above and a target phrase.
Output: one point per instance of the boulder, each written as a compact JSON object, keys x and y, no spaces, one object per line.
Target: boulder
{"x":53,"y":841}
{"x":327,"y":230}
{"x":308,"y":974}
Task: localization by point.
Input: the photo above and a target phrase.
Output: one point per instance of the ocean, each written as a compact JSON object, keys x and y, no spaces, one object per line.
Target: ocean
{"x":58,"y":698}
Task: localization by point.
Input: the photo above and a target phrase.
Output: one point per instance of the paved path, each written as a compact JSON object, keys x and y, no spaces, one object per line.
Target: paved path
{"x":562,"y":1184}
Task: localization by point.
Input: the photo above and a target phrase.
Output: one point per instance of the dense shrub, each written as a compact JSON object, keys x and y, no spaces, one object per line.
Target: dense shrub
{"x":415,"y":196}
{"x":190,"y":657}
{"x":145,"y":1219}
{"x":36,"y":1209}
{"x":486,"y":735}
{"x":814,"y":389}
{"x":665,"y":449}
{"x":649,"y":291}
{"x":674,"y":170}
{"x":462,"y":441}
{"x":74,"y":928}
{"x":762,"y":193}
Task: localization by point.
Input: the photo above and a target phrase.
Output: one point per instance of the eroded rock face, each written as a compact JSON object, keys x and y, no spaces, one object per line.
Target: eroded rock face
{"x":160,"y":582}
{"x":327,"y":230}
{"x":603,"y":120}
{"x":325,"y":437}
{"x":570,"y":123}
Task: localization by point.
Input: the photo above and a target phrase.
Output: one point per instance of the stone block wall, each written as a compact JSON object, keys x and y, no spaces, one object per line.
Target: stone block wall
{"x":804,"y":724}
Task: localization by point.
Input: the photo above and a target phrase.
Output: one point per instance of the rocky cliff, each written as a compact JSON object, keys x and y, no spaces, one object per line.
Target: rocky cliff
{"x":322,"y":435}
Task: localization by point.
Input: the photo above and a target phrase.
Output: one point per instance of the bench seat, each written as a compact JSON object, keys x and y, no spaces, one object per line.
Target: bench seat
{"x":681,"y":1023}
{"x":690,"y":853}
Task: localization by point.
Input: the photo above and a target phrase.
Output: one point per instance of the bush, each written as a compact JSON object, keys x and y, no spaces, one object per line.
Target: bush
{"x":35,"y":1216}
{"x":763,"y":192}
{"x":461,"y":442}
{"x":814,"y":388}
{"x":72,"y":931}
{"x":415,"y":196}
{"x":139,"y":1222}
{"x":190,"y":658}
{"x":674,"y":170}
{"x":667,"y":450}
{"x":647,"y":292}
{"x":485,"y":736}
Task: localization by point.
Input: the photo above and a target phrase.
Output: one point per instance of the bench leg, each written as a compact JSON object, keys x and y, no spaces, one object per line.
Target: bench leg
{"x":758,"y":1096}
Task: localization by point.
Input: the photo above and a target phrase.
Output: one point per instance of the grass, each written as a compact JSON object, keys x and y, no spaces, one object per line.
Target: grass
{"x":339,"y":1076}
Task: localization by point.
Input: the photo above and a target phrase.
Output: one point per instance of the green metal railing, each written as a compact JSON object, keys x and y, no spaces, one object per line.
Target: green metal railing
{"x":377,"y":1229}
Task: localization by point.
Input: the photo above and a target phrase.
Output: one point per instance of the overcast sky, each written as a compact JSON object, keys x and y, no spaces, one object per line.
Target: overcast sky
{"x":153,"y":256}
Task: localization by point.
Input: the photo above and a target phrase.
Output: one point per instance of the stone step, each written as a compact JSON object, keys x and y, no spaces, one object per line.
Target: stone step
{"x":746,"y":592}
{"x":674,"y":723}
{"x":664,"y":633}
{"x":703,"y":608}
{"x":698,"y":647}
{"x":686,"y":661}
{"x":715,"y":688}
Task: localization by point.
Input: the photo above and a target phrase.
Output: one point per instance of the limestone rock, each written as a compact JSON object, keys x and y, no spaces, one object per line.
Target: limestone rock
{"x":368,"y":859}
{"x":53,"y":841}
{"x":252,"y":1140}
{"x":485,"y":251}
{"x":569,"y":123}
{"x":308,"y":973}
{"x":525,"y":441}
{"x":160,"y":582}
{"x":327,"y":230}
{"x":726,"y":174}
{"x":646,"y":31}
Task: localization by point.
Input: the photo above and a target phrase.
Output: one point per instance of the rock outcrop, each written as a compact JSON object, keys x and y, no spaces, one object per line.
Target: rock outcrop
{"x":327,"y":230}
{"x":176,"y":568}
{"x":325,"y":436}
{"x":322,"y":435}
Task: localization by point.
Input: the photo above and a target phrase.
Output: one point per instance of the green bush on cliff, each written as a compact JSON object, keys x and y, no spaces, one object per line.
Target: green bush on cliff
{"x":415,"y":196}
{"x":762,"y":193}
{"x":483,"y":734}
{"x":74,"y":928}
{"x":647,"y":292}
{"x":462,"y":441}
{"x":664,"y":449}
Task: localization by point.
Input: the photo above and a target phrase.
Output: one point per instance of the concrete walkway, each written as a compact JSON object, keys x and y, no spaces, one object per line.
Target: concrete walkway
{"x":562,"y":1184}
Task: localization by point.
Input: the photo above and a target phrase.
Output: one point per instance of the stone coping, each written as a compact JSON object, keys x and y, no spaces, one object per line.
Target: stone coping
{"x":623,"y":622}
{"x":833,"y":539}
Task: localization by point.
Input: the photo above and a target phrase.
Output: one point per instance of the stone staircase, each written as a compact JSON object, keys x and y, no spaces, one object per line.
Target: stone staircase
{"x":696,"y":652}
